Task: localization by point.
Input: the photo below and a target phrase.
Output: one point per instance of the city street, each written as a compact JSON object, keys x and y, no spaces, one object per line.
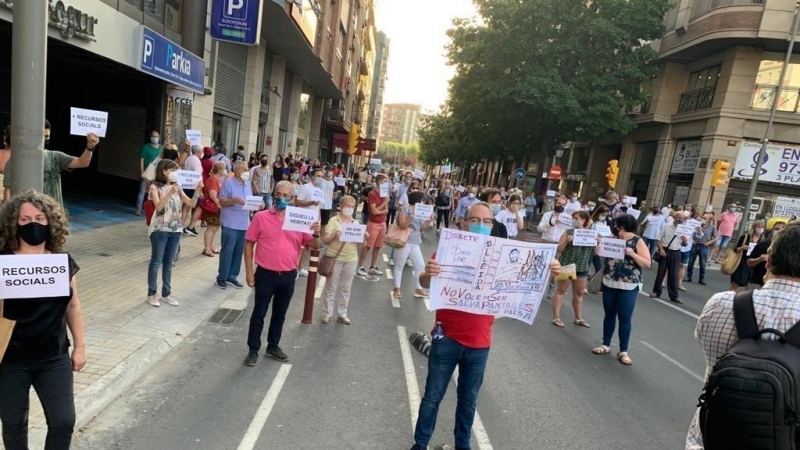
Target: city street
{"x":359,"y":386}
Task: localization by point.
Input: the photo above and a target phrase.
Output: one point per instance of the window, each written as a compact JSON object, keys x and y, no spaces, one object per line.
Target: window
{"x":769,"y":73}
{"x":172,"y":15}
{"x":699,"y":93}
{"x":154,"y":9}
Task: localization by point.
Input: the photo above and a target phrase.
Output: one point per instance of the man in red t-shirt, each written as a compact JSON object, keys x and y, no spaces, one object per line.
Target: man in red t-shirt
{"x":466,"y":342}
{"x":376,"y":227}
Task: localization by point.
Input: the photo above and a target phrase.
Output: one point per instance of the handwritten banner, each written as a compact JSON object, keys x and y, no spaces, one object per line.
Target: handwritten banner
{"x":300,"y":219}
{"x":584,"y":238}
{"x":491,"y":276}
{"x":611,"y":248}
{"x":423,"y":212}
{"x":353,"y":232}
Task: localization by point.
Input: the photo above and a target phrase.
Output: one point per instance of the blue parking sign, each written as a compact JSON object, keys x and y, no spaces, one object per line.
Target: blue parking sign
{"x":237,"y":21}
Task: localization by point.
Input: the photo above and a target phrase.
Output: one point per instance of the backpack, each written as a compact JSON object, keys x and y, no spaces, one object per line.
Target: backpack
{"x":750,"y":400}
{"x":442,"y":200}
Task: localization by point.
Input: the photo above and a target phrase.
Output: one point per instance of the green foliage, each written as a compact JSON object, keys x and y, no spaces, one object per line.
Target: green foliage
{"x":534,"y":73}
{"x":395,"y":152}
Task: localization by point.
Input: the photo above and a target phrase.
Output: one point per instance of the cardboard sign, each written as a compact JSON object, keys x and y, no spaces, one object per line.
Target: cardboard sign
{"x":750,"y":247}
{"x":419,"y":174}
{"x":300,"y":219}
{"x":565,"y":219}
{"x":603,"y":230}
{"x":195,"y":137}
{"x":353,"y":232}
{"x":611,"y":248}
{"x":340,"y":180}
{"x":445,"y":170}
{"x":85,"y":121}
{"x":188,"y":179}
{"x":635,"y":213}
{"x":384,"y":190}
{"x":253,"y":203}
{"x":584,"y":238}
{"x":34,"y":276}
{"x":423,"y":212}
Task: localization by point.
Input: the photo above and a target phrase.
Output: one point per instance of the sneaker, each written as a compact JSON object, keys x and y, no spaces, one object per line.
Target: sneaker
{"x":681,"y":288}
{"x":138,"y":212}
{"x":251,"y":360}
{"x":375,"y":271}
{"x":277,"y":354}
{"x":170,"y":300}
{"x":153,"y":301}
{"x":703,"y":282}
{"x":190,"y":231}
{"x":236,"y":284}
{"x":444,"y":447}
{"x":221,"y":285}
{"x":409,"y":263}
{"x":391,"y":262}
{"x":302,"y":273}
{"x":362,"y":272}
{"x":343,"y":320}
{"x":326,"y":318}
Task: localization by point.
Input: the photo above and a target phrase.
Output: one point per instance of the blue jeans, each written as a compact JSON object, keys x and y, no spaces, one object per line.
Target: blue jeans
{"x":145,"y":184}
{"x":651,"y":244}
{"x":164,"y":245}
{"x":618,"y":303}
{"x":268,"y":200}
{"x":230,"y":255}
{"x":697,"y":250}
{"x":445,"y":355}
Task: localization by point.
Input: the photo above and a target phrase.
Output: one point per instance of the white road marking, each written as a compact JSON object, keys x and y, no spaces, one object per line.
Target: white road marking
{"x":318,"y":292}
{"x":260,"y":419}
{"x":478,"y":431}
{"x":427,"y":303}
{"x":395,"y":301}
{"x":411,"y":376}
{"x":676,"y":308}
{"x":321,"y":281}
{"x":679,"y":365}
{"x":389,"y":275}
{"x":385,"y":257}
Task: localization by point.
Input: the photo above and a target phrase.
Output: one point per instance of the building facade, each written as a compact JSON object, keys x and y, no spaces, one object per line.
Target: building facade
{"x":400,"y":123}
{"x":379,"y":77}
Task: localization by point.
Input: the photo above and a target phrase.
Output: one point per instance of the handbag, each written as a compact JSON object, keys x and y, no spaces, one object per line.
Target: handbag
{"x":209,"y":207}
{"x":6,"y":328}
{"x":150,"y":170}
{"x":731,"y":260}
{"x":397,"y":237}
{"x":326,"y":263}
{"x":659,"y":258}
{"x":568,"y":272}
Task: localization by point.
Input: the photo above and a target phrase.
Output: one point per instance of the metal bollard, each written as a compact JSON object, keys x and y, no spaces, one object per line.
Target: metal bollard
{"x":311,"y":287}
{"x":421,"y":342}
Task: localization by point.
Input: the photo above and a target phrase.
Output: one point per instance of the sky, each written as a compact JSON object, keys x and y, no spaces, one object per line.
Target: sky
{"x":418,"y":70}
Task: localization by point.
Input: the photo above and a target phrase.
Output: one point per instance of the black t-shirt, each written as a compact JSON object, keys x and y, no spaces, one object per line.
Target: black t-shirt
{"x":499,"y":230}
{"x":759,"y":271}
{"x":277,"y":173}
{"x":41,"y":330}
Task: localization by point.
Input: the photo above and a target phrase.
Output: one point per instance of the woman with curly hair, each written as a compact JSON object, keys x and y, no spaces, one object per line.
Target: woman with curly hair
{"x":38,"y":355}
{"x":211,"y":207}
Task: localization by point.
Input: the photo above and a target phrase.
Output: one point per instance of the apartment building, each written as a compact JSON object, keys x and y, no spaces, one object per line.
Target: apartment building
{"x":379,"y":78}
{"x":400,"y":122}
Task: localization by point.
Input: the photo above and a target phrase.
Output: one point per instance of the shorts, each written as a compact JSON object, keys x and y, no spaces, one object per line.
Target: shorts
{"x":685,"y":258}
{"x":582,"y":274}
{"x":723,"y":241}
{"x":189,"y":192}
{"x":377,"y":231}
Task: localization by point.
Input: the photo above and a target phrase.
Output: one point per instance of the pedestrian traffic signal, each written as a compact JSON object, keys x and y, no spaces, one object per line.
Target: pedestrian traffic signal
{"x":612,"y":173}
{"x":720,"y":176}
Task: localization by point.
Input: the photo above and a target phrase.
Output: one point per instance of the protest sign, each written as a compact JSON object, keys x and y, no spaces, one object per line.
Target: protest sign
{"x":384,"y":190}
{"x":418,"y":174}
{"x":565,"y":219}
{"x":603,"y":230}
{"x":340,"y":180}
{"x":551,"y":194}
{"x":353,"y":232}
{"x":694,"y":223}
{"x":750,"y":247}
{"x":632,"y":200}
{"x":584,"y":238}
{"x":423,"y":212}
{"x":188,"y":179}
{"x":34,"y":276}
{"x":490,"y":276}
{"x":300,"y":219}
{"x":611,"y":248}
{"x":253,"y":202}
{"x":635,"y":213}
{"x":195,"y":137}
{"x":85,"y":121}
{"x":684,"y":230}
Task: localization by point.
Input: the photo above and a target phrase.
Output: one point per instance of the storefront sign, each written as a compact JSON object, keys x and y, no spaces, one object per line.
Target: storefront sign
{"x":70,"y":21}
{"x":787,"y":207}
{"x":687,"y":156}
{"x":168,"y":61}
{"x":781,"y":163}
{"x":681,"y":195}
{"x":237,"y":21}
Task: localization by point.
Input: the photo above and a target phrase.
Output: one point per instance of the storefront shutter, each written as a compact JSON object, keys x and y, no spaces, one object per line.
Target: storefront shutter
{"x":230,"y":78}
{"x":118,"y":153}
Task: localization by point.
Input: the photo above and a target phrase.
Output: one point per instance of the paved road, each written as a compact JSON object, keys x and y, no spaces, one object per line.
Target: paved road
{"x":348,"y":387}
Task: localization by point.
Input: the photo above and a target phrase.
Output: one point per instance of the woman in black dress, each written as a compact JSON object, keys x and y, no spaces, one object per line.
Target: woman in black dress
{"x":741,"y":276}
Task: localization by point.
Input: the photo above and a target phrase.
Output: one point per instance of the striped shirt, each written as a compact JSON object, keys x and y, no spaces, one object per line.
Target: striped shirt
{"x":709,"y":234}
{"x":777,"y":306}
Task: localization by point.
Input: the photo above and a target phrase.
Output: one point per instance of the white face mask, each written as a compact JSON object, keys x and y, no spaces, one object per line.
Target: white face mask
{"x":471,"y":195}
{"x":348,"y":212}
{"x":245,"y":176}
{"x":173,"y":177}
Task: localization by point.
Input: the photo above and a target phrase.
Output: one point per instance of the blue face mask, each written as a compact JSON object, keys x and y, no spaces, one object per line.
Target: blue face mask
{"x":281,"y":203}
{"x":480,"y":228}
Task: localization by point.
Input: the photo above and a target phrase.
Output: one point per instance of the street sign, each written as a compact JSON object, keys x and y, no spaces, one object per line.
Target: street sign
{"x":554,"y":173}
{"x":237,"y":21}
{"x":164,"y":59}
{"x":519,"y":174}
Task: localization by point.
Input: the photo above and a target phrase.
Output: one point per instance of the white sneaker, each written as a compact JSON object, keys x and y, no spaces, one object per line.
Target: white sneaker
{"x":153,"y":301}
{"x":302,"y":273}
{"x":391,"y":262}
{"x":375,"y":271}
{"x":343,"y":320}
{"x":326,"y":318}
{"x":170,"y":300}
{"x":409,"y":263}
{"x":361,"y":272}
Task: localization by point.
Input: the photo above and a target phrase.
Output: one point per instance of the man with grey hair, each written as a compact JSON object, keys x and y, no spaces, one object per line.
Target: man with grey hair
{"x":192,"y":164}
{"x":234,"y":220}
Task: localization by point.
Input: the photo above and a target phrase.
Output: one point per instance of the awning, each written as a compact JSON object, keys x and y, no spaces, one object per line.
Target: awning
{"x":284,"y":38}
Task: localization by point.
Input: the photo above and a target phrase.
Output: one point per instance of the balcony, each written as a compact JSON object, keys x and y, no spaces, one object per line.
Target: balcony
{"x":333,"y":114}
{"x":703,"y":6}
{"x":764,"y":94}
{"x":697,"y":100}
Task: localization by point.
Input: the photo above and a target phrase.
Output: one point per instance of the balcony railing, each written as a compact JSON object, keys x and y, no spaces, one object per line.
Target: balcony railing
{"x":703,"y":6}
{"x":764,"y":95}
{"x":697,"y":100}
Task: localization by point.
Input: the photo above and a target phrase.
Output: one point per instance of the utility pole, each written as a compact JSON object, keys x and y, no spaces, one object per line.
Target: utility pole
{"x":763,"y":152}
{"x":28,"y":77}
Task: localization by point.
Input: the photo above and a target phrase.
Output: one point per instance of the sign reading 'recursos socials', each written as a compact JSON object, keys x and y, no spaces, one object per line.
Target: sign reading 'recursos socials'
{"x":170,"y":62}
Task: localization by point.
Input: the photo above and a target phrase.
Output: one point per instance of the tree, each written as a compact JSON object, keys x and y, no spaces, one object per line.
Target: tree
{"x":534,"y":73}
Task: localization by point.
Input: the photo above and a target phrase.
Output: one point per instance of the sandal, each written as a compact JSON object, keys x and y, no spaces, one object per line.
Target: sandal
{"x":582,"y":323}
{"x":215,"y":251}
{"x":557,"y":322}
{"x":601,"y":350}
{"x":397,"y":294}
{"x":624,"y":358}
{"x":208,"y":253}
{"x":421,"y":293}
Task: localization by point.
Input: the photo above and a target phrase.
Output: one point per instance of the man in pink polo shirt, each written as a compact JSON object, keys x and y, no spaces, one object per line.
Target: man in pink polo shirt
{"x":727,"y":223}
{"x":276,"y":252}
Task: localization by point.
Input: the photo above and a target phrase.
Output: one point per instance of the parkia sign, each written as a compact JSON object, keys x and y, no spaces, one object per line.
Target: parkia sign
{"x":70,"y":21}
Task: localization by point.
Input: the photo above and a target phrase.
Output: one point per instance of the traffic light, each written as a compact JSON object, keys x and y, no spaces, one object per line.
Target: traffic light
{"x":720,"y":176}
{"x":612,"y":173}
{"x":353,"y":140}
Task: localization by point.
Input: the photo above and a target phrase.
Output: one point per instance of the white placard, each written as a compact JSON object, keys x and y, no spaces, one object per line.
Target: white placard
{"x":603,"y":230}
{"x":253,"y":203}
{"x":750,"y":247}
{"x":551,"y":194}
{"x":384,"y":190}
{"x":687,"y":157}
{"x":353,"y":232}
{"x":300,"y":219}
{"x":34,"y":276}
{"x":195,"y":137}
{"x":445,"y":170}
{"x":694,"y":223}
{"x":611,"y":248}
{"x":419,"y":174}
{"x":584,"y":238}
{"x":340,"y":180}
{"x":423,"y":212}
{"x":786,"y":207}
{"x":318,"y":195}
{"x":632,"y":200}
{"x":572,"y":207}
{"x":85,"y":121}
{"x":635,"y":213}
{"x":565,"y":219}
{"x":188,"y":179}
{"x":684,"y":230}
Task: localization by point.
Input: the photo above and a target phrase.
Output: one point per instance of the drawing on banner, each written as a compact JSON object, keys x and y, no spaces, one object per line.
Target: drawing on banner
{"x":457,"y":265}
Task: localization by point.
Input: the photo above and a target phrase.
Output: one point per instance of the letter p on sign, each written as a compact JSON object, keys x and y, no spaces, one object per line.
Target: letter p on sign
{"x":235,"y":9}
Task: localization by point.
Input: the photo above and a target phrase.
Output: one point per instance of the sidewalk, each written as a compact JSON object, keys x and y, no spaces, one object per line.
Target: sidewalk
{"x":125,"y":336}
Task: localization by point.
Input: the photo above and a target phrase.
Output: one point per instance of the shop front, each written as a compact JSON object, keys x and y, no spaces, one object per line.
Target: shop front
{"x":684,"y":164}
{"x":229,"y":86}
{"x":642,"y":170}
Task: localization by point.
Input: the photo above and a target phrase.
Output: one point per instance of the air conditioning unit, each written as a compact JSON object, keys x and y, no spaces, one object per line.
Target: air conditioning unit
{"x":635,"y":110}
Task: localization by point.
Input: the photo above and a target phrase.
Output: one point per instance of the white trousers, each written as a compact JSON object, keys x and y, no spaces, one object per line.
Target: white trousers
{"x":338,"y":286}
{"x":401,"y":255}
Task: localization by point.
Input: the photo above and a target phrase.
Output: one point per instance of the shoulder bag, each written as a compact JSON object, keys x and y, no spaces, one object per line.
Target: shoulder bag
{"x":731,"y":260}
{"x":326,"y":263}
{"x":6,"y":328}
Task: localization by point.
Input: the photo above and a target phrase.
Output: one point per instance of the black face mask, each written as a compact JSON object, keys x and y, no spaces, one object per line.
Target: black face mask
{"x":47,"y":143}
{"x":559,"y":209}
{"x":33,"y":233}
{"x":264,"y":162}
{"x":615,"y":232}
